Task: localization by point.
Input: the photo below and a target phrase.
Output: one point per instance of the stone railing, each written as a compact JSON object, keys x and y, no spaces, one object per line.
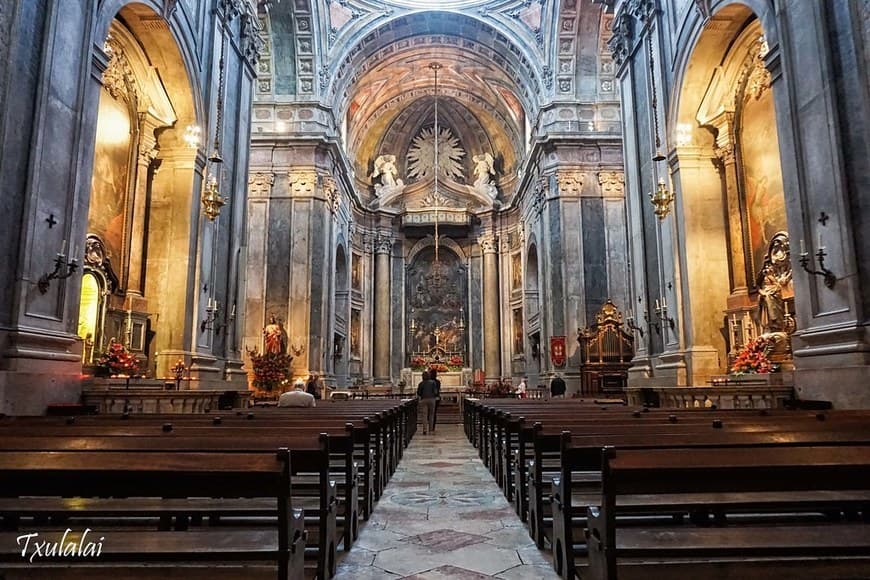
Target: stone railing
{"x":149,"y":400}
{"x":720,"y":396}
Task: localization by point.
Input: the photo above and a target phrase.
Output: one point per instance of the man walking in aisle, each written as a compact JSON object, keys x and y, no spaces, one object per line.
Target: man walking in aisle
{"x":557,"y":387}
{"x":427,"y":391}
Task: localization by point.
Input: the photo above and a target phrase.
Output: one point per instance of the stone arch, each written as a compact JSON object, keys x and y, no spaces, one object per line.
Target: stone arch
{"x":715,"y":181}
{"x":149,"y":68}
{"x":429,"y":241}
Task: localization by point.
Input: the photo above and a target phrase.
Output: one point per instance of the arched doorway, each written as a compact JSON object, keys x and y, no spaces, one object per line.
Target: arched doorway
{"x":143,"y":184}
{"x":728,"y":175}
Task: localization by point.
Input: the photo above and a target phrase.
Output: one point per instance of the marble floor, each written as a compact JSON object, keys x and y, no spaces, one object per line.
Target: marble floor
{"x":442,"y":517}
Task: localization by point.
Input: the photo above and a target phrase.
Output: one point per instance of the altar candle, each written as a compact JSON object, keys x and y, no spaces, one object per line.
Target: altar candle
{"x":803,"y":247}
{"x":821,"y":247}
{"x":63,"y":248}
{"x":657,"y":305}
{"x":233,"y":312}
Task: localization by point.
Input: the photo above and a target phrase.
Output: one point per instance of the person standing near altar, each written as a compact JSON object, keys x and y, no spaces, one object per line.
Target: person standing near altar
{"x":427,"y":391}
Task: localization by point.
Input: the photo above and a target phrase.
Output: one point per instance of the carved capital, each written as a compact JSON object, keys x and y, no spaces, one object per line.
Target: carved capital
{"x":260,"y":184}
{"x":570,"y":182}
{"x":612,"y":182}
{"x":488,"y":243}
{"x":383,"y":244}
{"x":643,"y":10}
{"x":302,"y":182}
{"x":118,"y":78}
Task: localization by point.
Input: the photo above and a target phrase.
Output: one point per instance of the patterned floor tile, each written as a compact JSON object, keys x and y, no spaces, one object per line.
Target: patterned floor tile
{"x":445,"y":540}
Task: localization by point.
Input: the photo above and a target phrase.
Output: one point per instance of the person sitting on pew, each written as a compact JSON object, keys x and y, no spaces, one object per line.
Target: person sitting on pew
{"x":297,"y":397}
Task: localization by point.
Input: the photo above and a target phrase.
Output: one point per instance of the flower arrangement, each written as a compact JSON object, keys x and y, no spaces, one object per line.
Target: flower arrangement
{"x":118,"y":361}
{"x":753,"y":357}
{"x":455,"y":362}
{"x":438,"y":367}
{"x":270,"y":369}
{"x":418,"y":363}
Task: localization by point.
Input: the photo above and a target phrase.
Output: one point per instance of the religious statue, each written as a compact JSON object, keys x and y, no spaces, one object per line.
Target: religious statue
{"x":385,"y":168}
{"x":484,"y":170}
{"x":774,"y":285}
{"x":274,"y":339}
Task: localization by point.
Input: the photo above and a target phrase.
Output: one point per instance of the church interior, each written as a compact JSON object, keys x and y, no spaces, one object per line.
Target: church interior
{"x":574,"y":216}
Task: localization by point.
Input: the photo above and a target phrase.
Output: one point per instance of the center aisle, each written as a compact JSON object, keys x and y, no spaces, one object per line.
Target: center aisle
{"x":442,"y":516}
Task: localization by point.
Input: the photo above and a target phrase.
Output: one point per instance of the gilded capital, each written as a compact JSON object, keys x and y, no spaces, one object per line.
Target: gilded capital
{"x":570,"y":182}
{"x":302,"y":182}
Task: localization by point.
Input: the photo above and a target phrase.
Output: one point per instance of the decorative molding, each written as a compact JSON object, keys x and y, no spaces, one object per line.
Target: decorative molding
{"x":118,"y":78}
{"x":332,"y":193}
{"x":612,"y":182}
{"x":620,"y":41}
{"x":260,"y":184}
{"x":643,"y":10}
{"x":252,"y":41}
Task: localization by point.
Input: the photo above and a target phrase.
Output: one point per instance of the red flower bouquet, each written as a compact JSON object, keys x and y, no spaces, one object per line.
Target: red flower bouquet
{"x":753,"y":358}
{"x":270,"y":369}
{"x":117,"y":360}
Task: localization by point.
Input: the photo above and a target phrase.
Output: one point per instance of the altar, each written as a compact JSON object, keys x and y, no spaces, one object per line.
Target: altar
{"x":451,"y":381}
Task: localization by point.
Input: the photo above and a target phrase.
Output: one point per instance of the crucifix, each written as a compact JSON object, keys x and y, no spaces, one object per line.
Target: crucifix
{"x":51,"y":221}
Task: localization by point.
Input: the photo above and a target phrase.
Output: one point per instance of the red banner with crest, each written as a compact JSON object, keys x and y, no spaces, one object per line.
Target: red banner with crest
{"x":557,"y":351}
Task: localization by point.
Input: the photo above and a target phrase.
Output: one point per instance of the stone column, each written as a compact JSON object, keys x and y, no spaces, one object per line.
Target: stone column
{"x":147,"y":153}
{"x":381,"y":326}
{"x":491,"y":358}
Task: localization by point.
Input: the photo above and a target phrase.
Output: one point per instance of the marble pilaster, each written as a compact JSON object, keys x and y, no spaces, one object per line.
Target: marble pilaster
{"x":381,"y":338}
{"x":491,"y":328}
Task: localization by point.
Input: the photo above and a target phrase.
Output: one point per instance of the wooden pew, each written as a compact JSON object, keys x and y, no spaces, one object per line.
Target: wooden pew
{"x":317,"y":495}
{"x":171,"y":475}
{"x":800,"y":550}
{"x":583,"y":454}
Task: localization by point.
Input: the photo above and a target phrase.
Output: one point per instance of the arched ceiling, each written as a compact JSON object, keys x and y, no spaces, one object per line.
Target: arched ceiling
{"x":385,"y":90}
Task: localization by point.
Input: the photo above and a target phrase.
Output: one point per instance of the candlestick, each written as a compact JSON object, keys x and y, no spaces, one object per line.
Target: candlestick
{"x":657,"y":305}
{"x":63,"y":249}
{"x":821,"y":247}
{"x":803,"y":247}
{"x":233,"y":311}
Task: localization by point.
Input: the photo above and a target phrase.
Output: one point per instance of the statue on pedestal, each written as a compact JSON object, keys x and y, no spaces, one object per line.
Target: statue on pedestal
{"x":775,"y":285}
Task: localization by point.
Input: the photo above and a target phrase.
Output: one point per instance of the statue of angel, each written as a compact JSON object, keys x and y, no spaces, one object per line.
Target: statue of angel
{"x":385,"y":168}
{"x":483,"y":169}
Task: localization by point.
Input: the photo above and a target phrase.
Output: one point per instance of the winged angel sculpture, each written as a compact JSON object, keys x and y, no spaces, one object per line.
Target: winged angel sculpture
{"x":385,"y":168}
{"x":484,"y":170}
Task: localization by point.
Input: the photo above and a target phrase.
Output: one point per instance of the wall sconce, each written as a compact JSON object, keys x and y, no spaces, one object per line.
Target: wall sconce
{"x":461,"y":324}
{"x":212,"y":200}
{"x":650,"y":324}
{"x":629,"y":322}
{"x":62,"y":270}
{"x":829,"y":277}
{"x":192,"y":136}
{"x":211,"y":311}
{"x":662,"y":312}
{"x":661,"y":200}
